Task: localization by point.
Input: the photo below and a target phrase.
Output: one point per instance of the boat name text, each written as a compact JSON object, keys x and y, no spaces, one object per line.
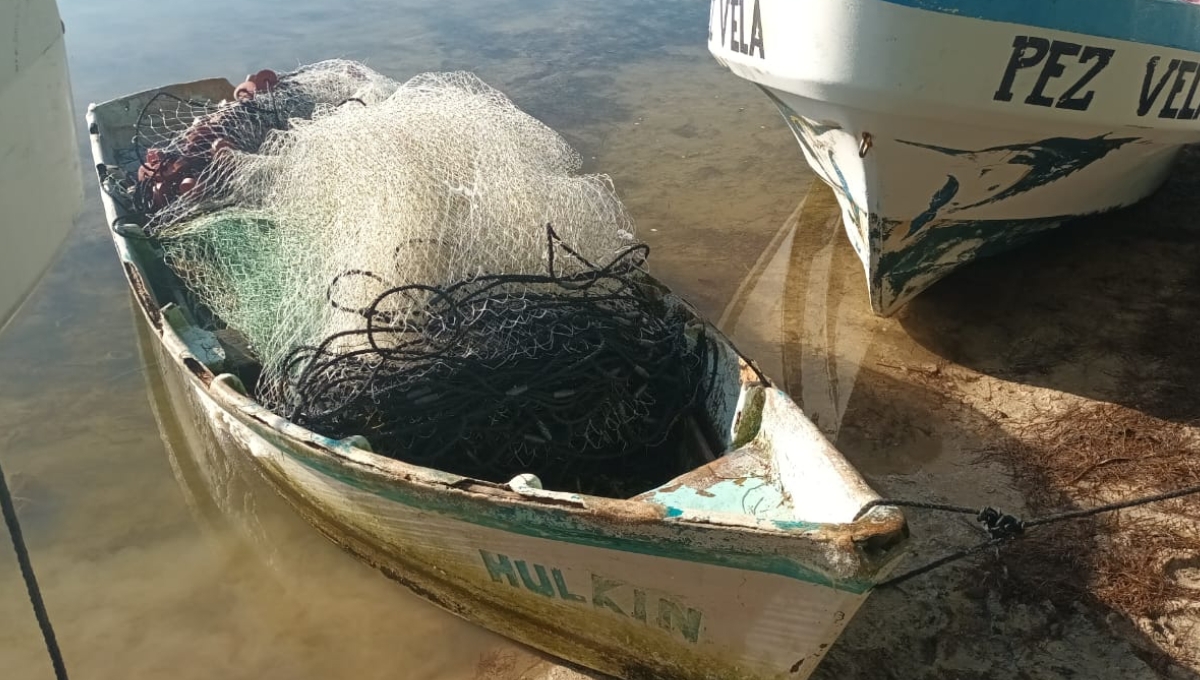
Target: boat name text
{"x":604,"y":593}
{"x":730,"y":17}
{"x":1084,"y":62}
{"x":1168,"y":88}
{"x":1153,"y":84}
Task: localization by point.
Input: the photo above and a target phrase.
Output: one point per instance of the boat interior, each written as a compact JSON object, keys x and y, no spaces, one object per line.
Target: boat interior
{"x":739,"y":428}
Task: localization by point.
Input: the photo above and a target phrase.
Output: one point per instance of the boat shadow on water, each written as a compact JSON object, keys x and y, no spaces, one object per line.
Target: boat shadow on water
{"x":246,"y":521}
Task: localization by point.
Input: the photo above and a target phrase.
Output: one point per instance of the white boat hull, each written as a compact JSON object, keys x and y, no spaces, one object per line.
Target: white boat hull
{"x":629,"y":614}
{"x":547,"y":592}
{"x":950,"y":136}
{"x":41,"y":187}
{"x":748,"y":567}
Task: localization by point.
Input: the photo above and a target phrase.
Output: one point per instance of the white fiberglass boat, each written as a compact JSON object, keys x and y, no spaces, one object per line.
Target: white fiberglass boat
{"x":41,"y":187}
{"x":955,"y":129}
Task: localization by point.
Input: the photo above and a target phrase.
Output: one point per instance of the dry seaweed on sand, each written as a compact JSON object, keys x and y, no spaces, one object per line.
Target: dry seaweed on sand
{"x":1129,"y":561}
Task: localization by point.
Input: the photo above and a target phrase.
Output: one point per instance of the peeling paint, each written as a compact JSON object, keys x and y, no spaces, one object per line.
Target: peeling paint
{"x":1048,"y":160}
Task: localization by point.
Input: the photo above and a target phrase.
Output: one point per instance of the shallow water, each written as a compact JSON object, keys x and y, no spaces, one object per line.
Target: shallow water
{"x":158,"y":555}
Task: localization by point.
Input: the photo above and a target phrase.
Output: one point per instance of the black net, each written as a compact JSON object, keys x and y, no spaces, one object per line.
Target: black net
{"x":581,"y":379}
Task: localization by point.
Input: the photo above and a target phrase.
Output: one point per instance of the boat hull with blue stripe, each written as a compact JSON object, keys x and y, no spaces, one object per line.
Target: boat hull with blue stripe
{"x":747,"y":566}
{"x":951,"y":130}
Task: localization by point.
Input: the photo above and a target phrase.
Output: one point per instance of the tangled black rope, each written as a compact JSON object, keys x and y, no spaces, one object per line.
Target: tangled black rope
{"x":557,"y":374}
{"x":1002,"y":527}
{"x":9,"y":510}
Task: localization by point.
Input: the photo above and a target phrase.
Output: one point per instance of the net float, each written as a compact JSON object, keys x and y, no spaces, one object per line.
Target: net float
{"x":246,"y":90}
{"x":199,"y":137}
{"x":149,"y":167}
{"x":221,"y":145}
{"x":173,"y":168}
{"x":264,"y":79}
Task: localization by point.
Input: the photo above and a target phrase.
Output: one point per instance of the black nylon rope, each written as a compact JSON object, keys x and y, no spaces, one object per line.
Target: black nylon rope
{"x":1002,"y":527}
{"x":31,"y":584}
{"x":580,"y":372}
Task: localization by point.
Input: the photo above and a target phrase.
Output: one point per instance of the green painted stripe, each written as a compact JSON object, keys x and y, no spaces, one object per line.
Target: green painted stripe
{"x":554,"y":524}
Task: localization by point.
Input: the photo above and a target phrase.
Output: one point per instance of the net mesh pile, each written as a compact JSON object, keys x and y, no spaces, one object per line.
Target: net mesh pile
{"x":389,"y":252}
{"x":546,"y":373}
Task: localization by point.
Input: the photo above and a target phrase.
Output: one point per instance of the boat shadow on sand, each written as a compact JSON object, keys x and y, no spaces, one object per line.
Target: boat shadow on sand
{"x":1104,"y":308}
{"x":1092,"y":336}
{"x":1025,"y":610}
{"x":953,"y":401}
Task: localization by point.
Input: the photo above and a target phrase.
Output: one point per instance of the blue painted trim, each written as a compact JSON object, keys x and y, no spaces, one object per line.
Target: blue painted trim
{"x":554,"y":524}
{"x":1167,"y":23}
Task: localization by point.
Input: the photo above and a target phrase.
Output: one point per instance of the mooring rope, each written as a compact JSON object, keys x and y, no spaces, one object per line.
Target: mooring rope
{"x":1002,"y":527}
{"x":31,"y":584}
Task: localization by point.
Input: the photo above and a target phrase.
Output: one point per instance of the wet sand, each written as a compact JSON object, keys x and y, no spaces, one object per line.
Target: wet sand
{"x":154,"y":565}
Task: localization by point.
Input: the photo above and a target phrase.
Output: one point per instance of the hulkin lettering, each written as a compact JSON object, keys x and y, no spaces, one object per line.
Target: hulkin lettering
{"x":600,"y":588}
{"x":542,"y":586}
{"x":607,"y":594}
{"x":498,"y":566}
{"x":672,"y":617}
{"x":563,"y":592}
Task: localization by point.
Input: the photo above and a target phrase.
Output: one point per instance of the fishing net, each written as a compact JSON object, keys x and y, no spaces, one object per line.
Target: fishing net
{"x":183,"y":148}
{"x":550,"y":373}
{"x":422,"y":264}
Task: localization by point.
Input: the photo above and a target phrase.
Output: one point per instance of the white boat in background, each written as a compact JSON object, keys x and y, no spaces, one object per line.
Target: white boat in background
{"x":41,"y":187}
{"x":956,"y":129}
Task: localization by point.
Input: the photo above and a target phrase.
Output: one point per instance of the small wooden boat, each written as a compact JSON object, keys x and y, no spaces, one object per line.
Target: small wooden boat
{"x":748,"y":565}
{"x":956,"y":129}
{"x":41,"y":187}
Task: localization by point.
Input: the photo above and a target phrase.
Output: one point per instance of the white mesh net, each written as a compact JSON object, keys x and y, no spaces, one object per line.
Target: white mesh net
{"x":443,"y":180}
{"x":422,"y":263}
